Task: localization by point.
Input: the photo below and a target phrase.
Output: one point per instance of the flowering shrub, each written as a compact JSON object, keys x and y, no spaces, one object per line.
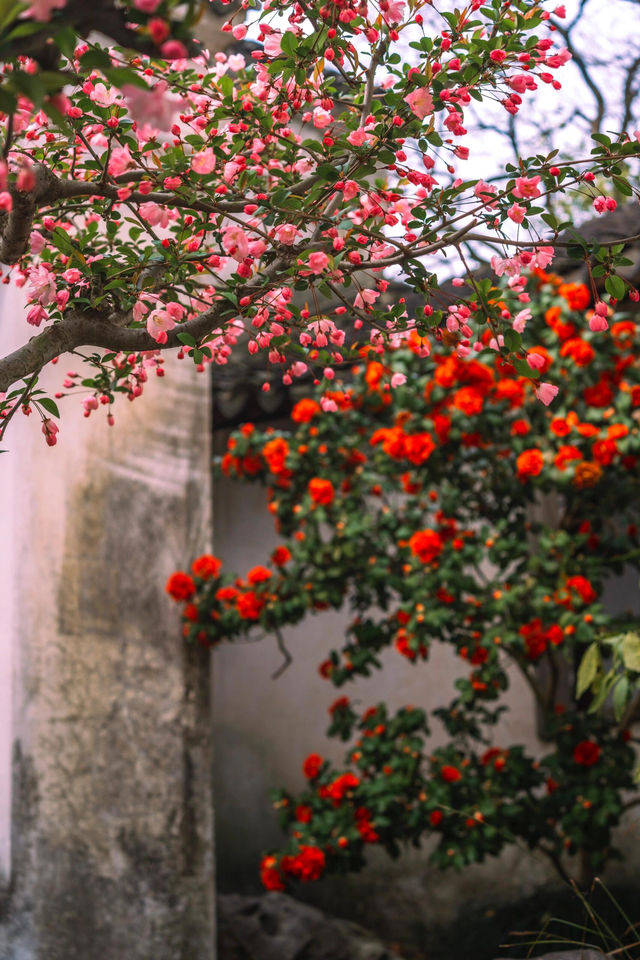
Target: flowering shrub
{"x":149,"y":201}
{"x":416,"y":507}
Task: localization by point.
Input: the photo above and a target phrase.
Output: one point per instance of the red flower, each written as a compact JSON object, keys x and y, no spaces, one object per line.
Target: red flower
{"x":259,"y":575}
{"x":280,"y":556}
{"x":321,"y":491}
{"x":180,"y":586}
{"x":450,"y":774}
{"x":337,"y":790}
{"x":529,"y":463}
{"x":270,"y":875}
{"x":340,"y":704}
{"x":305,"y":410}
{"x":576,"y":294}
{"x":418,"y":448}
{"x":303,"y":813}
{"x":307,"y":865}
{"x":367,"y":831}
{"x":426,"y":545}
{"x":583,"y":588}
{"x":586,"y":753}
{"x":436,"y":817}
{"x":581,"y":352}
{"x":206,"y":567}
{"x":604,"y":451}
{"x":312,"y":766}
{"x":275,"y":453}
{"x":249,"y":605}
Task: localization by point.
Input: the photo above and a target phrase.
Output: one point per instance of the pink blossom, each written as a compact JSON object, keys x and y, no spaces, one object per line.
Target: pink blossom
{"x":204,"y":162}
{"x":484,"y":191}
{"x":147,"y":6}
{"x":42,"y":285}
{"x":287,"y":233}
{"x":520,"y":320}
{"x":398,"y":379}
{"x":510,"y":266}
{"x":6,"y":202}
{"x":153,"y":107}
{"x":535,"y":360}
{"x":526,"y":188}
{"x":42,"y":9}
{"x":321,"y":118}
{"x":50,"y":429}
{"x":154,"y":214}
{"x":516,"y":213}
{"x":104,"y":96}
{"x":420,"y":102}
{"x":393,"y":11}
{"x":173,"y":50}
{"x":365,"y":298}
{"x":235,"y":242}
{"x":272,"y":46}
{"x":36,"y":242}
{"x":542,"y":257}
{"x":26,"y":179}
{"x":239,"y":31}
{"x":318,"y":262}
{"x":36,"y":315}
{"x":158,"y":323}
{"x":598,"y":321}
{"x":357,"y":137}
{"x":119,"y":161}
{"x":72,"y":275}
{"x":603,"y":204}
{"x":545,"y":392}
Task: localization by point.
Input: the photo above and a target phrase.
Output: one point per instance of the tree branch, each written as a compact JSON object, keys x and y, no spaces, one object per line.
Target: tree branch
{"x":84,"y":330}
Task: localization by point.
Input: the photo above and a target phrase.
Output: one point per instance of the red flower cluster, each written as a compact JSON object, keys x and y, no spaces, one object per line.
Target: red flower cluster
{"x":180,"y":586}
{"x":426,"y":545}
{"x":321,"y":491}
{"x":586,"y":753}
{"x":206,"y":567}
{"x":450,"y":774}
{"x":537,"y":638}
{"x":312,"y":766}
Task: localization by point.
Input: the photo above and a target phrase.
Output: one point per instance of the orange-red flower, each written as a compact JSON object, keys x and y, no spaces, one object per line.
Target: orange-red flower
{"x":426,"y":545}
{"x":321,"y":491}
{"x":180,"y":586}
{"x":206,"y":567}
{"x":305,"y":410}
{"x":530,"y":463}
{"x":312,"y":766}
{"x":450,"y":774}
{"x":576,"y":294}
{"x":275,"y":452}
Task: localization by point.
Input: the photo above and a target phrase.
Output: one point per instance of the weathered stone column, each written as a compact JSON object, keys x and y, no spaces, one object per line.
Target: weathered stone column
{"x":111,"y":802}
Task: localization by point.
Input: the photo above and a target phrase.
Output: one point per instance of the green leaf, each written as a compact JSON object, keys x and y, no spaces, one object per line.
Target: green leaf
{"x":49,"y":405}
{"x":589,"y":667}
{"x":616,"y":287}
{"x":631,"y":651}
{"x":289,"y":43}
{"x":187,"y":339}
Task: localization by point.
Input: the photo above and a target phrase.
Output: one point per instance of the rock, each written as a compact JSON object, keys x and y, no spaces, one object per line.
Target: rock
{"x":277,"y":927}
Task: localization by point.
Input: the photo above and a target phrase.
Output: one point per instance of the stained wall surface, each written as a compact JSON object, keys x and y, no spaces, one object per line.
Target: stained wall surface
{"x":108,"y":729}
